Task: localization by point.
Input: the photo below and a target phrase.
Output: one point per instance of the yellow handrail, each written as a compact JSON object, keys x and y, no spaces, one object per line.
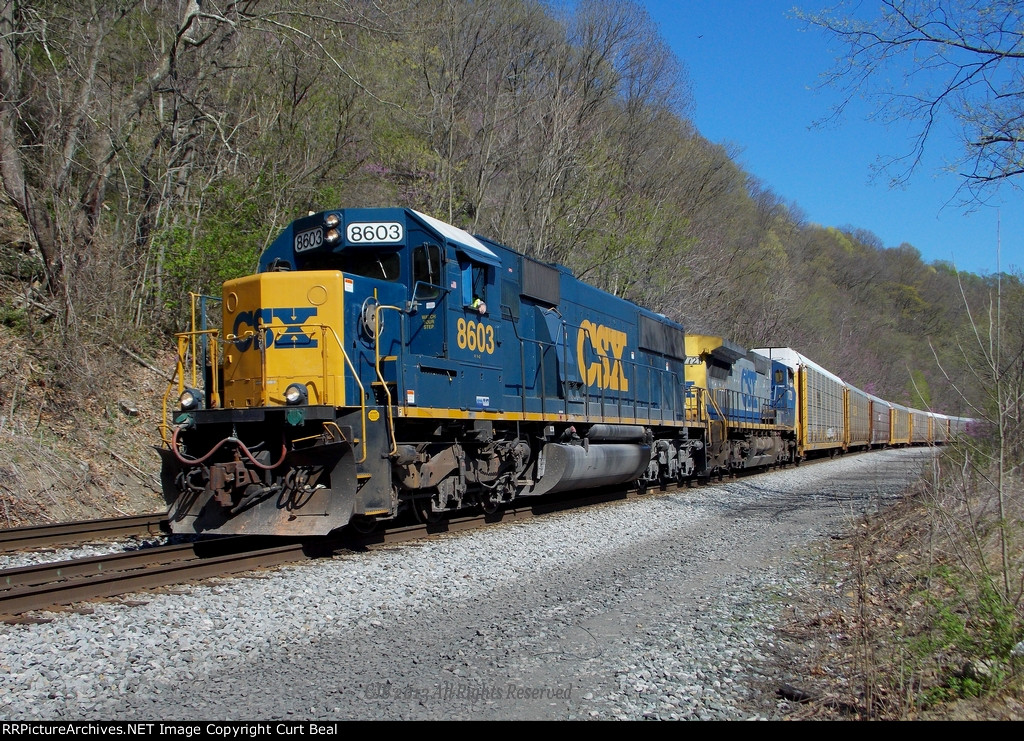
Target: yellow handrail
{"x":355,"y":377}
{"x":387,"y":392}
{"x":187,"y":342}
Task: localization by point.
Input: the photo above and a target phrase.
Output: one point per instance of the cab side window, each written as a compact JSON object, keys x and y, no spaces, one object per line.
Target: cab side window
{"x":426,"y":271}
{"x":474,"y":285}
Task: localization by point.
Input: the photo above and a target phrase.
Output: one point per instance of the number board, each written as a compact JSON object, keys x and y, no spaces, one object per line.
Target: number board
{"x":375,"y":232}
{"x":309,"y":239}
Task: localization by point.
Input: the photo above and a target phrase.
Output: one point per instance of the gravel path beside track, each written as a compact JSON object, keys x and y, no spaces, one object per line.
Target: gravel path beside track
{"x":659,"y":608}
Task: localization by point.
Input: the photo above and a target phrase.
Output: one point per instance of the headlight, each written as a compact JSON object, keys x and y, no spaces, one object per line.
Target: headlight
{"x":191,"y":399}
{"x":332,"y":220}
{"x":295,"y":394}
{"x":332,"y":236}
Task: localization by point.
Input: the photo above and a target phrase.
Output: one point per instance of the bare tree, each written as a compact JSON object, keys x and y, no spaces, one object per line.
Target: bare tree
{"x":66,"y":111}
{"x":960,"y":60}
{"x":117,"y":119}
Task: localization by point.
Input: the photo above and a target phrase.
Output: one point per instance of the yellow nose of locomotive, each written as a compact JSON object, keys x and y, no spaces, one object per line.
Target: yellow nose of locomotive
{"x":284,"y":338}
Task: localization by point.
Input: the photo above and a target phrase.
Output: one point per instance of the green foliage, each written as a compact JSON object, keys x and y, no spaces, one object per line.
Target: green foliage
{"x":918,"y":391}
{"x":843,"y":241}
{"x":14,"y":317}
{"x":225,"y":244}
{"x":977,"y":627}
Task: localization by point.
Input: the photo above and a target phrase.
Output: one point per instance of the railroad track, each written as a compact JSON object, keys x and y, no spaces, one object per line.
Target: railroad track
{"x":34,"y":536}
{"x":48,"y":585}
{"x":43,"y":586}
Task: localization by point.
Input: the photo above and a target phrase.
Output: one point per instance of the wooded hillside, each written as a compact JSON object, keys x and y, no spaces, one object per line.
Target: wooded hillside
{"x":150,"y":149}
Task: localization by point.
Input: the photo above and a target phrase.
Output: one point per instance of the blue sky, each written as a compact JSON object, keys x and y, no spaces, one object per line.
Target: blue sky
{"x":755,"y":76}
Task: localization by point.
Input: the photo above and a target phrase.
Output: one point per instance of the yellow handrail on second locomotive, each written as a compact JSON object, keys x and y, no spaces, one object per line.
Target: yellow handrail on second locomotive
{"x":694,"y":409}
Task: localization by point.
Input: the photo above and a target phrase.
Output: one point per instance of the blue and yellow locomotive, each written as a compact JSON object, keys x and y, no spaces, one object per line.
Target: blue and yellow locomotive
{"x":381,"y":360}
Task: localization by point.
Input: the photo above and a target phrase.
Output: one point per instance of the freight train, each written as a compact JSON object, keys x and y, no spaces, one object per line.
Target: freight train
{"x":383,"y":362}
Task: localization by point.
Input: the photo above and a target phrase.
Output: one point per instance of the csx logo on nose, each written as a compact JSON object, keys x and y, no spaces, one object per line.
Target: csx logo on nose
{"x":291,"y":336}
{"x":607,"y":344}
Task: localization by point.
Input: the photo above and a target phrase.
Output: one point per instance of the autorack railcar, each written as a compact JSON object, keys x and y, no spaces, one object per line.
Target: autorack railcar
{"x":881,"y":421}
{"x":900,"y":425}
{"x":821,"y":420}
{"x":920,"y":427}
{"x":858,"y":418}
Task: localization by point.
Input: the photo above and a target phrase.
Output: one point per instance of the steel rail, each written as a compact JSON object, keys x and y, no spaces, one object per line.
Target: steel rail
{"x":56,"y":571}
{"x":33,"y":536}
{"x":68,"y":582}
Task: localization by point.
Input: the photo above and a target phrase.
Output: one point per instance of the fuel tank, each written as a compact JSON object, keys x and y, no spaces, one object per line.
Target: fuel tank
{"x":564,"y":467}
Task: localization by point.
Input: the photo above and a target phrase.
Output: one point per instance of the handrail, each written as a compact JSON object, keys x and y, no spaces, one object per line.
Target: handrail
{"x":188,"y":341}
{"x":200,"y":300}
{"x":355,"y":377}
{"x":718,"y":410}
{"x":380,"y":375}
{"x":743,"y":411}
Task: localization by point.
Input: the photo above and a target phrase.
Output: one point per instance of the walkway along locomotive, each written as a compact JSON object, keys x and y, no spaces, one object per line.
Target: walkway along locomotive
{"x":381,"y":360}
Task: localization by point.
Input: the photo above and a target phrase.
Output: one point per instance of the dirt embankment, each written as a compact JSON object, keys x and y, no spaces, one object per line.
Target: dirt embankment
{"x":64,"y":456}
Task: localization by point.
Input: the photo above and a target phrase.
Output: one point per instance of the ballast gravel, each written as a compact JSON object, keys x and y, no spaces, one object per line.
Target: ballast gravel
{"x":85,"y":550}
{"x":664,"y":607}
